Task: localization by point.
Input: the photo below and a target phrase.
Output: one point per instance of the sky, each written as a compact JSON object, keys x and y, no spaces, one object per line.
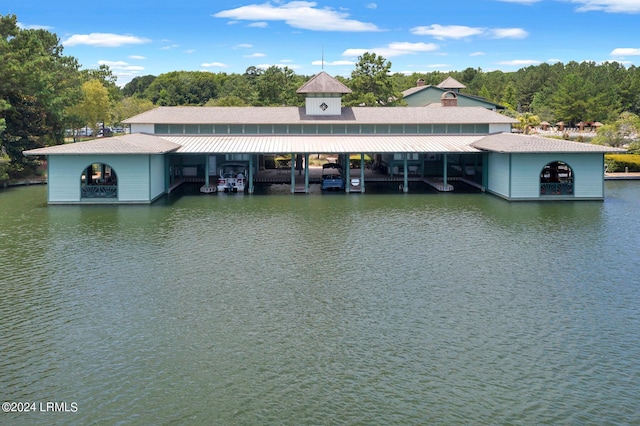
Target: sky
{"x":143,"y":37}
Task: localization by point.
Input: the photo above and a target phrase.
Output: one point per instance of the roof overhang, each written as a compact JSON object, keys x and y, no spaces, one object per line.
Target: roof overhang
{"x":327,"y":144}
{"x":525,"y":144}
{"x":137,"y":143}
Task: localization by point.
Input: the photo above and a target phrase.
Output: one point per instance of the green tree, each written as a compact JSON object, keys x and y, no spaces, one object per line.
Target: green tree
{"x":226,"y":101}
{"x":625,"y":130}
{"x":37,"y":84}
{"x":94,"y":106}
{"x":129,"y":106}
{"x":510,"y":97}
{"x":527,"y":121}
{"x":182,"y":88}
{"x":138,"y":85}
{"x":371,"y":83}
{"x":277,"y":86}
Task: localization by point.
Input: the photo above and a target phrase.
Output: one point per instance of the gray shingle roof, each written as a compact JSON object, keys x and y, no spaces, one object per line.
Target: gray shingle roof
{"x":137,"y":143}
{"x":451,"y":83}
{"x":296,"y":115}
{"x":323,"y":83}
{"x":515,"y":143}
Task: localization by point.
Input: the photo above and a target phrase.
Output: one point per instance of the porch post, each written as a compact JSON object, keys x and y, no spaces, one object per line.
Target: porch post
{"x":347,"y":176}
{"x":168,"y":176}
{"x":293,"y":173}
{"x":362,"y":172}
{"x":306,"y":173}
{"x":206,"y":170}
{"x":250,"y":174}
{"x":444,"y":172}
{"x":405,"y":187}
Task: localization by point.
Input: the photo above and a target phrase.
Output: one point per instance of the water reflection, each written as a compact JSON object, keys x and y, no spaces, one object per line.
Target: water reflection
{"x":370,"y":308}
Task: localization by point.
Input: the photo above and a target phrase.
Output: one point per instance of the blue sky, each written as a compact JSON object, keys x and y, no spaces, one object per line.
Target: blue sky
{"x":141,"y":37}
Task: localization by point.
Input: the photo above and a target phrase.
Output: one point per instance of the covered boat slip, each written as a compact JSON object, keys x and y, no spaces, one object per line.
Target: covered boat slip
{"x":139,"y":168}
{"x":433,"y":144}
{"x":428,"y":159}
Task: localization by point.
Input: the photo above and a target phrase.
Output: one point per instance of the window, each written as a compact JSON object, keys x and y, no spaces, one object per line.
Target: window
{"x":98,"y":180}
{"x":556,"y":178}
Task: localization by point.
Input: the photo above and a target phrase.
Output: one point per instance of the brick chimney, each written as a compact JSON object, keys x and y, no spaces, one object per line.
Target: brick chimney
{"x":420,"y":82}
{"x":449,"y":99}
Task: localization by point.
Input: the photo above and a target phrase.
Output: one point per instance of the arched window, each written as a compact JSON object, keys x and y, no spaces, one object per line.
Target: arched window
{"x":99,"y":180}
{"x":556,"y":178}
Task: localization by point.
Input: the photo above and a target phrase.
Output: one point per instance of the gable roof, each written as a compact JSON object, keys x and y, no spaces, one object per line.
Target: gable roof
{"x":451,"y":83}
{"x":297,"y":115}
{"x":417,"y":89}
{"x":136,"y":143}
{"x":323,"y":83}
{"x":516,"y":143}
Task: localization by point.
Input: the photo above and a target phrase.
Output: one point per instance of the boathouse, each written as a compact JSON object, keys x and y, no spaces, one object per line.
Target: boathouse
{"x":439,"y":146}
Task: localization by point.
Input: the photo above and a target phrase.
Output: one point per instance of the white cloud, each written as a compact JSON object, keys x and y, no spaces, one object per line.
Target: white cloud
{"x":137,"y":57}
{"x":626,"y":51}
{"x":255,"y":55}
{"x":508,"y":33}
{"x":441,"y":32}
{"x":298,"y":14}
{"x":393,"y":49}
{"x":477,"y":54}
{"x":611,"y":6}
{"x":104,"y":40}
{"x":170,"y":46}
{"x":214,"y":65}
{"x":258,"y":25}
{"x":371,"y":6}
{"x":243,"y":46}
{"x":520,"y":62}
{"x":120,"y":65}
{"x":33,"y":27}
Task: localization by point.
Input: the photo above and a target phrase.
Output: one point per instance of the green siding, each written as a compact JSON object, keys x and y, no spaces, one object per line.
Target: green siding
{"x":132,"y":171}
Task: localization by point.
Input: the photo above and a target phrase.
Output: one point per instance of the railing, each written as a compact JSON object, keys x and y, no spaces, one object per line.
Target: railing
{"x":556,"y":188}
{"x":99,"y":191}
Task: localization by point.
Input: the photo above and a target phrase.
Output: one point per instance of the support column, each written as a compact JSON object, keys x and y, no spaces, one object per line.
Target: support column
{"x":251,"y":174}
{"x":347,"y":174}
{"x":206,"y":171}
{"x":362,"y":173}
{"x":444,"y":172}
{"x":405,"y":187}
{"x":293,"y":173}
{"x":306,"y":173}
{"x":168,"y":173}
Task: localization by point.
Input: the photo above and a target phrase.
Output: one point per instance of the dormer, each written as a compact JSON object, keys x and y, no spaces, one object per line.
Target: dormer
{"x":323,"y":95}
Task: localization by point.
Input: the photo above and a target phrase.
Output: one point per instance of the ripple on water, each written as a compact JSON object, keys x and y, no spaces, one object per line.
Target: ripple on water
{"x":374,"y":309}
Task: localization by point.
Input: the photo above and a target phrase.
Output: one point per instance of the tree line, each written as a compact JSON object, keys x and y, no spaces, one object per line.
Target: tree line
{"x":44,"y":94}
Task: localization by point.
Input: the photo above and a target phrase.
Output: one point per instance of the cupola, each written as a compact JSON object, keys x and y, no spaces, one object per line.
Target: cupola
{"x":323,"y":95}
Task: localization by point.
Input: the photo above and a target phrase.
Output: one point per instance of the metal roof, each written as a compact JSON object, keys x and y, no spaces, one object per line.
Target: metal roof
{"x":139,"y":143}
{"x":136,"y":143}
{"x":297,"y":115}
{"x":516,"y":143}
{"x":333,"y":144}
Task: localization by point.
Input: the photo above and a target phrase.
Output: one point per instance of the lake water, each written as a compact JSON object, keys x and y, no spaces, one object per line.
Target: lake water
{"x":322,"y":309}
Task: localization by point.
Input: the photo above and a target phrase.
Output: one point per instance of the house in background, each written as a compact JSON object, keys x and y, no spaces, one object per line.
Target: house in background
{"x":428,"y":95}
